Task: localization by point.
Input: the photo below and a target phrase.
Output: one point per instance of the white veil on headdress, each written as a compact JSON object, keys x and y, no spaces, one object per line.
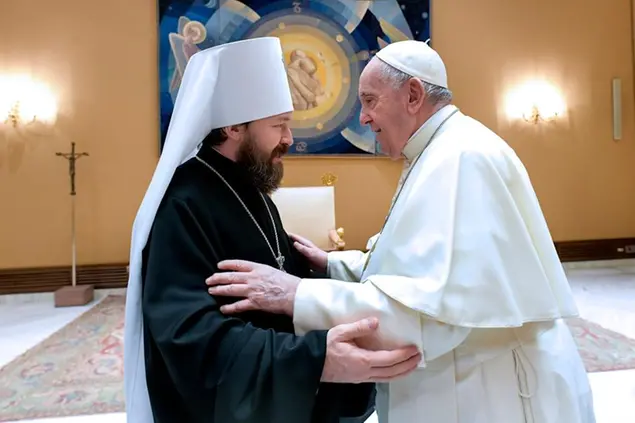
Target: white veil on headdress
{"x":222,"y":86}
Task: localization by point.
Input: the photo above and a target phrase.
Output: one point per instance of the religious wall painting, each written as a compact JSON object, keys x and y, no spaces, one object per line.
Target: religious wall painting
{"x":326,"y":45}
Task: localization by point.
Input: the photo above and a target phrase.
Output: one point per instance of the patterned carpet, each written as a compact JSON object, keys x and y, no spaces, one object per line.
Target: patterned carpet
{"x":602,"y":350}
{"x":79,"y":370}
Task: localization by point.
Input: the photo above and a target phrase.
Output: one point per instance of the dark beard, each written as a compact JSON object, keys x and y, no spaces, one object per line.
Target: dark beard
{"x":264,"y":173}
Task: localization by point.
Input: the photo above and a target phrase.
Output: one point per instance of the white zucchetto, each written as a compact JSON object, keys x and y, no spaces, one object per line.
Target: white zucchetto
{"x":417,"y":59}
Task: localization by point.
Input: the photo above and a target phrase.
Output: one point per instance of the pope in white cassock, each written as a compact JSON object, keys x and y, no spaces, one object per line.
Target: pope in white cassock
{"x":464,"y":267}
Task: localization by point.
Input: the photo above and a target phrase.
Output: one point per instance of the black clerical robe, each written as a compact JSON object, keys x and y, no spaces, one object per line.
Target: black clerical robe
{"x":201,"y":365}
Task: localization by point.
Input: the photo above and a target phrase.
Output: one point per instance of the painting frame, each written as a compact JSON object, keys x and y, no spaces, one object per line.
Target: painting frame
{"x":325,"y":130}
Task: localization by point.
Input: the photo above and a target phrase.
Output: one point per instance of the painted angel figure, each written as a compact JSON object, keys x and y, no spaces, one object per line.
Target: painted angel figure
{"x":184,"y":45}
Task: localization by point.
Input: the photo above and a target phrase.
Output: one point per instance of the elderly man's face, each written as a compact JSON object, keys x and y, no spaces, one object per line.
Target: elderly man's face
{"x":385,"y":109}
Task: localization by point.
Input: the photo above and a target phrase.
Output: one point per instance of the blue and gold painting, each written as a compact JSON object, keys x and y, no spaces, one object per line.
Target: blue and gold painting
{"x":326,"y":45}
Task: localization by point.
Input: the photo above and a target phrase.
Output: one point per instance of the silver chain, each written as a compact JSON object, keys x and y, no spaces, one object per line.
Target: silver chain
{"x":279,"y":258}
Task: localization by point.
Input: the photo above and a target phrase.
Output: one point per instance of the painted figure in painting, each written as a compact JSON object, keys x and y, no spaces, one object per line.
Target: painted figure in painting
{"x":184,"y":46}
{"x":306,"y":88}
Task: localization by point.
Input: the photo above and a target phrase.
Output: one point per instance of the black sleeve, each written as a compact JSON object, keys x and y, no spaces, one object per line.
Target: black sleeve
{"x":349,"y":400}
{"x":247,"y":373}
{"x":301,"y":264}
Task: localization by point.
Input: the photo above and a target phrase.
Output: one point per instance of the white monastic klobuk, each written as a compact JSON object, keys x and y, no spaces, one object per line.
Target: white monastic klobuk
{"x":222,"y":86}
{"x":464,"y":268}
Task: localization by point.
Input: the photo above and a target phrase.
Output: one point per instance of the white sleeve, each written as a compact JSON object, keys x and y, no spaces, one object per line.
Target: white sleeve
{"x":348,"y":265}
{"x":322,"y":304}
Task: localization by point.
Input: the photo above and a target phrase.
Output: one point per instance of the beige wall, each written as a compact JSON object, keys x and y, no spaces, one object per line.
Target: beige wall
{"x":102,"y":62}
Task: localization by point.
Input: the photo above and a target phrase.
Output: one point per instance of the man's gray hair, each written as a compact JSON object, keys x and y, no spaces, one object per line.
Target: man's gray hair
{"x":434,"y":93}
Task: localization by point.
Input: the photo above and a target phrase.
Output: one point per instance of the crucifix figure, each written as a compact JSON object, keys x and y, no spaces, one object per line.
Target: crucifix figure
{"x":280,"y":261}
{"x":72,"y":158}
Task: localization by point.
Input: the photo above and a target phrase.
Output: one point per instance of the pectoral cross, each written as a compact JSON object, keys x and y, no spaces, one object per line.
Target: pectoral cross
{"x":72,"y":158}
{"x":280,"y":261}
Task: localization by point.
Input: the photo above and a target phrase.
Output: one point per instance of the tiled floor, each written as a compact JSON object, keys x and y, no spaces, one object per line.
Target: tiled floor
{"x":605,"y":295}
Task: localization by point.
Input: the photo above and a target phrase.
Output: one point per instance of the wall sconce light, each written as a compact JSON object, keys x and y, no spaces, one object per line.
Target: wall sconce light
{"x":535,"y":102}
{"x":24,"y":102}
{"x":28,"y":111}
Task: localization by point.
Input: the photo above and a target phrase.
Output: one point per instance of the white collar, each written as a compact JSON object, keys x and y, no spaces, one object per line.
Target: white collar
{"x":421,"y":138}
